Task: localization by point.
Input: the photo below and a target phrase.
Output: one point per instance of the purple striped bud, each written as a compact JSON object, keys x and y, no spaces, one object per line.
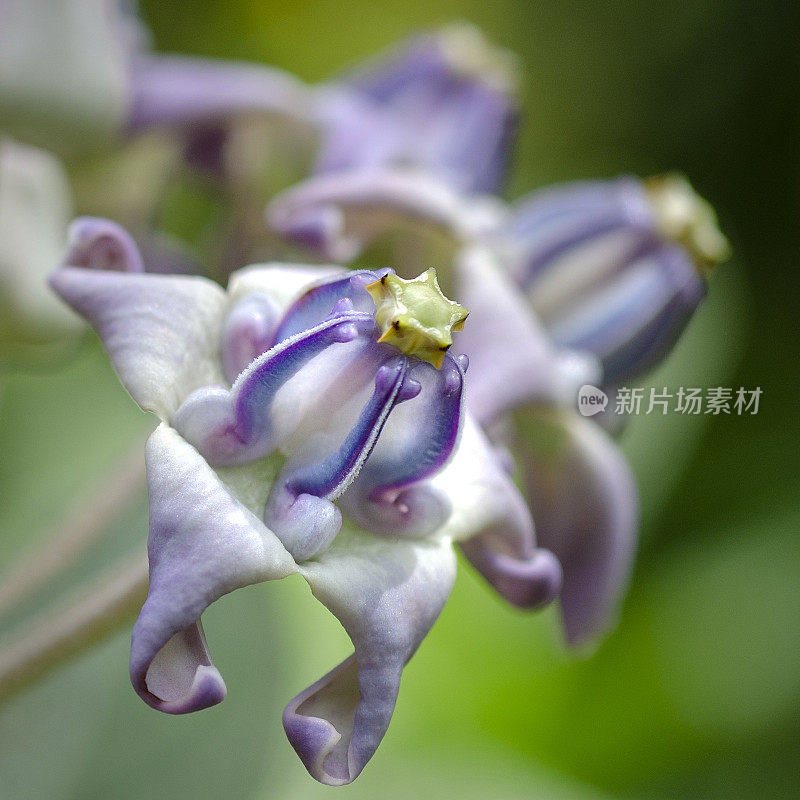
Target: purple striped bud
{"x":614,"y":267}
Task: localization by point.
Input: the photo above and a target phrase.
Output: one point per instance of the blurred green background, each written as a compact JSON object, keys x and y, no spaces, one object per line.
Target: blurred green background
{"x":697,"y":693}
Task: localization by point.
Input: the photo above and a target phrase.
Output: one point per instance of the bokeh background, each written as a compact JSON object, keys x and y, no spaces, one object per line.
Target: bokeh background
{"x":697,"y":693}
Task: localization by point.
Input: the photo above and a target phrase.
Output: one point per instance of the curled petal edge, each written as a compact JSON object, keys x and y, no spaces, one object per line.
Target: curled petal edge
{"x":203,"y":544}
{"x":387,"y":595}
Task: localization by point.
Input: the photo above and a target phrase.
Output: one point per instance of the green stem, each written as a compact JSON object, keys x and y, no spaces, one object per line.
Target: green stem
{"x":83,"y":524}
{"x":109,"y":604}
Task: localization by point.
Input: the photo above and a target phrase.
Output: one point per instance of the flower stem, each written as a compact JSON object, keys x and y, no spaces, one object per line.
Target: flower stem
{"x":108,"y":604}
{"x":83,"y":525}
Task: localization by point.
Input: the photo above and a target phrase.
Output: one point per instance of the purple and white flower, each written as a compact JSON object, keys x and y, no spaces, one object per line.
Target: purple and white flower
{"x":294,"y":441}
{"x":586,"y":283}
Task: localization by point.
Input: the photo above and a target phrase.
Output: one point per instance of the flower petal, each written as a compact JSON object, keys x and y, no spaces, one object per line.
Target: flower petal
{"x":343,"y":212}
{"x":101,"y":244}
{"x":35,"y":208}
{"x":451,"y":83}
{"x":513,"y":360}
{"x":492,"y":523}
{"x":387,"y":595}
{"x":184,"y":91}
{"x":203,"y":543}
{"x":162,"y":333}
{"x":532,"y":581}
{"x":561,"y":239}
{"x":584,"y":500}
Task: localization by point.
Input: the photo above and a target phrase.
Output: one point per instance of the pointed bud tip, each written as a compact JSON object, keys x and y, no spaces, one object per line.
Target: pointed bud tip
{"x":468,"y":52}
{"x":686,"y":218}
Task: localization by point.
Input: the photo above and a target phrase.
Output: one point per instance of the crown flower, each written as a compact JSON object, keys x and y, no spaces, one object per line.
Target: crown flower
{"x":581,"y":283}
{"x":293,"y":440}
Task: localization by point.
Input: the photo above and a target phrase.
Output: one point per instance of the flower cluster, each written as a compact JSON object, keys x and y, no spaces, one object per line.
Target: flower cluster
{"x":314,"y":420}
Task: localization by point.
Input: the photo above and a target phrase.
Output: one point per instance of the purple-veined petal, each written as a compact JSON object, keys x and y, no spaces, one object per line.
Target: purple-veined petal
{"x":185,"y":91}
{"x":540,"y":209}
{"x":203,"y":544}
{"x":584,"y":500}
{"x":417,"y":441}
{"x":318,"y":300}
{"x":162,"y":333}
{"x":101,"y":244}
{"x":562,"y":239}
{"x":248,"y":332}
{"x":354,"y":208}
{"x":387,"y":594}
{"x":300,"y":508}
{"x":513,"y":360}
{"x":633,"y":321}
{"x":230,"y":427}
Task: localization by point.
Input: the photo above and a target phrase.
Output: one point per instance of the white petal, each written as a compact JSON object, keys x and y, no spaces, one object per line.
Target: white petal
{"x":386,"y":594}
{"x":162,"y":333}
{"x":203,"y":543}
{"x":283,"y":282}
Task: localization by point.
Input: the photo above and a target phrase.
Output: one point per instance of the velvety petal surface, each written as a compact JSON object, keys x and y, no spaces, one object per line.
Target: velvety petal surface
{"x":162,"y":333}
{"x":387,"y":595}
{"x":203,"y":543}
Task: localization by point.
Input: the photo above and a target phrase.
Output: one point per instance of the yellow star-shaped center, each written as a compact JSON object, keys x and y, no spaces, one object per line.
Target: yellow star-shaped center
{"x":415,"y":316}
